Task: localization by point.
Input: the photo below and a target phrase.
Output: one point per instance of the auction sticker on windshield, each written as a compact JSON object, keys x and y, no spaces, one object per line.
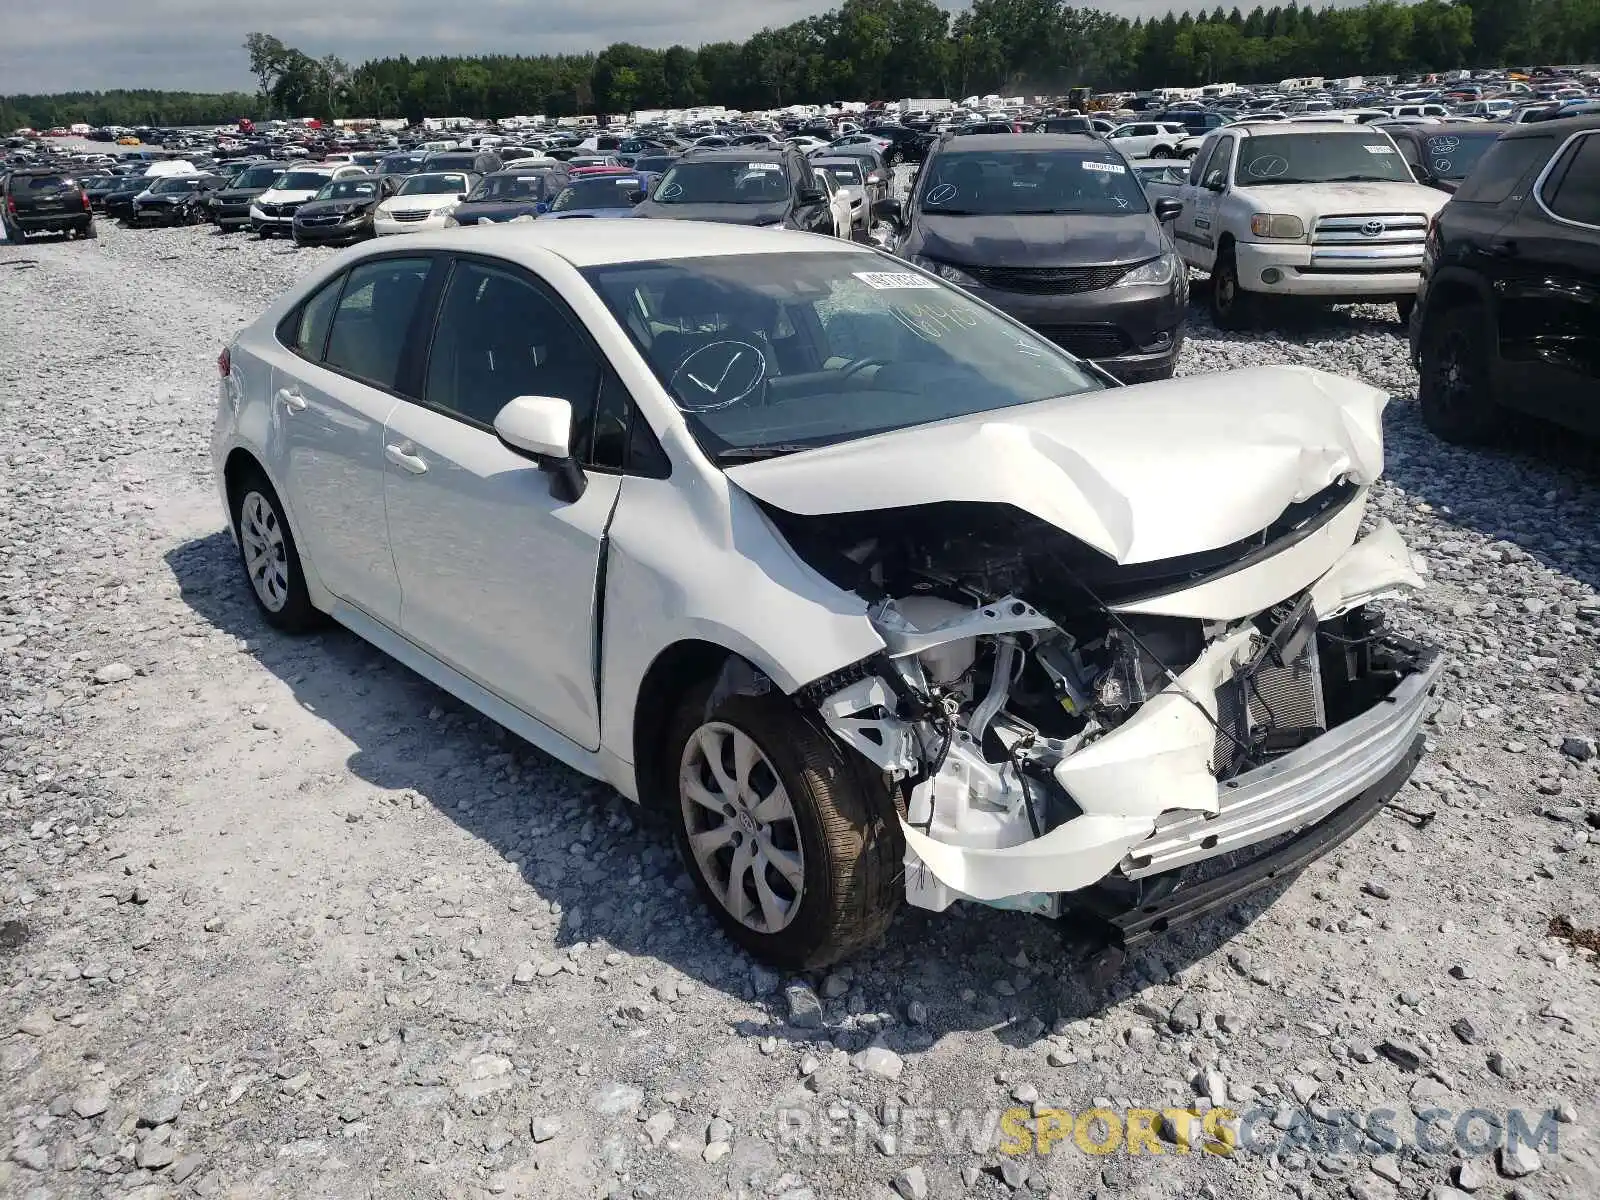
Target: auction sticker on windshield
{"x":1380,"y":149}
{"x":888,"y":281}
{"x":763,"y":166}
{"x":1089,"y":164}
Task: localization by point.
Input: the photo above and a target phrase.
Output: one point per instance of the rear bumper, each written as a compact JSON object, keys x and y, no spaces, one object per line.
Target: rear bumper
{"x":53,"y":223}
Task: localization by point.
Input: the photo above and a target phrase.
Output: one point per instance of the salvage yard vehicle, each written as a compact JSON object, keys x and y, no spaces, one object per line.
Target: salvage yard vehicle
{"x":173,"y":200}
{"x":874,"y":593}
{"x":273,"y":210}
{"x":1147,"y":139}
{"x":1508,"y":307}
{"x":422,"y":201}
{"x":1325,"y":212}
{"x":742,"y":187}
{"x":342,"y":211}
{"x":230,"y":206}
{"x":600,"y":195}
{"x":1442,"y":154}
{"x":1055,"y":230}
{"x":43,"y":200}
{"x":510,"y":194}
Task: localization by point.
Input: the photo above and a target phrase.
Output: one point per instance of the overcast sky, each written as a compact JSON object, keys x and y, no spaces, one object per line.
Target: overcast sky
{"x":75,"y":45}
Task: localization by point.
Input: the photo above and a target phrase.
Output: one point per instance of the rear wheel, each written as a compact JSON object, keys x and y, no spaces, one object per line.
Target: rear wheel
{"x":89,"y":231}
{"x":269,"y":556}
{"x":1455,"y":390}
{"x":792,"y":844}
{"x":1230,"y":303}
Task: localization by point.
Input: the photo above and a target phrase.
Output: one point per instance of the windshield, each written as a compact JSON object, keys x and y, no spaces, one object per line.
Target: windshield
{"x":349,"y":189}
{"x":598,"y":191}
{"x":1321,"y":157}
{"x":403,"y":164}
{"x":767,"y":353}
{"x":724,"y":181}
{"x":844,"y":174}
{"x":1018,"y":182}
{"x":168,"y":186}
{"x":258,"y":177}
{"x":302,"y":181}
{"x":1453,"y":155}
{"x":433,"y":182}
{"x":510,"y":187}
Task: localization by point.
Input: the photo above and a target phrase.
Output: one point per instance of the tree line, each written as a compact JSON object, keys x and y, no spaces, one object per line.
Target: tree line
{"x":877,"y":49}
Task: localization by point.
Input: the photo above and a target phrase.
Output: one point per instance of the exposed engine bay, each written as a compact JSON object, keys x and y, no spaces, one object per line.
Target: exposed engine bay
{"x":1041,"y":725}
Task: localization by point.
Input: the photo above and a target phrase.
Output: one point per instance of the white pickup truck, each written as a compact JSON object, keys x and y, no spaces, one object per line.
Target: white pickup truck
{"x":1329,"y":212}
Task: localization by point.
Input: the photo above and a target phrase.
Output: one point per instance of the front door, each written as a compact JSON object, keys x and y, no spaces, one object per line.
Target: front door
{"x":499,"y":577}
{"x":330,"y":400}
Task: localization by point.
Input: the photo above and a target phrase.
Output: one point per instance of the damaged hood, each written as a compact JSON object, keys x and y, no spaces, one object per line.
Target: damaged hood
{"x":1140,"y":473}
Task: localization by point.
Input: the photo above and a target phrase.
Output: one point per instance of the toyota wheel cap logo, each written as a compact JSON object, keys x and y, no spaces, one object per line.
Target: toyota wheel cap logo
{"x":1372,"y":228}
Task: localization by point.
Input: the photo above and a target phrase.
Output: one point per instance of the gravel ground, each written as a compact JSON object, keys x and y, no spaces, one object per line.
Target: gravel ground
{"x":281,"y":919}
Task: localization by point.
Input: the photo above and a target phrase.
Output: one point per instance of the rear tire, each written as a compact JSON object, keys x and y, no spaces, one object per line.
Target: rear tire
{"x":269,"y":556}
{"x":90,"y":232}
{"x":1455,"y":391}
{"x":764,"y":798}
{"x":1231,"y":307}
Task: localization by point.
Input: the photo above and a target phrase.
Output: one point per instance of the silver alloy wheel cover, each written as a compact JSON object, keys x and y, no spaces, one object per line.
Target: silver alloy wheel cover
{"x":265,"y":555}
{"x":741,"y":827}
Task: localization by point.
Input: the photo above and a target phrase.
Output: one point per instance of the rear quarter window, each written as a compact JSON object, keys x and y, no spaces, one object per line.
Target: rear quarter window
{"x":1504,"y":165}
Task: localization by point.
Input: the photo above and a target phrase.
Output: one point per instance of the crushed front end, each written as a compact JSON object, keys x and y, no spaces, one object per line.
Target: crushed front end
{"x":1142,"y":742}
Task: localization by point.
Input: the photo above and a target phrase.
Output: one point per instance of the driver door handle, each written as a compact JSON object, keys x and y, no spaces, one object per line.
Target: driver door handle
{"x":291,"y":400}
{"x":402,"y":457}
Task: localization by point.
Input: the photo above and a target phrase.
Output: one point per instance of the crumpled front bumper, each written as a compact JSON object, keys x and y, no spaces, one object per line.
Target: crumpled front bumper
{"x":1148,"y":799}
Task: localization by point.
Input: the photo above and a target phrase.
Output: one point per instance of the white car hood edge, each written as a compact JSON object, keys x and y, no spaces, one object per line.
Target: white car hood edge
{"x":1140,"y":473}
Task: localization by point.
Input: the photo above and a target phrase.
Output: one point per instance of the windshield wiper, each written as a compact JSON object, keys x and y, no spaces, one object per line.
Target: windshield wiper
{"x":1362,"y":179}
{"x":755,"y":453}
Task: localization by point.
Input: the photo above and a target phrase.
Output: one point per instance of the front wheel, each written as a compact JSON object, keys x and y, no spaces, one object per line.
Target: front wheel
{"x":791,"y":842}
{"x":1163,"y":152}
{"x":1455,"y":390}
{"x":1230,"y":303}
{"x":270,"y":558}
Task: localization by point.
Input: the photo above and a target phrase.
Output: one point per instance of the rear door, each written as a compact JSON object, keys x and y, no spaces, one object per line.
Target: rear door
{"x":333,"y":387}
{"x":1550,"y":321}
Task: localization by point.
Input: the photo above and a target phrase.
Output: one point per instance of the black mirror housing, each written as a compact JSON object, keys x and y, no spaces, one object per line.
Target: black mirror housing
{"x":1168,"y":209}
{"x":811,"y":196}
{"x":888,"y":209}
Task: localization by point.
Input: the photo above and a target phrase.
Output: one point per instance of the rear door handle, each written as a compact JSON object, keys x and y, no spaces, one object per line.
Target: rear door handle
{"x":291,"y":399}
{"x":402,"y":457}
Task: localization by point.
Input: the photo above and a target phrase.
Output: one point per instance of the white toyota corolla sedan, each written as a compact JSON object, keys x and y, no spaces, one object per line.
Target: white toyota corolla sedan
{"x":878,"y":594}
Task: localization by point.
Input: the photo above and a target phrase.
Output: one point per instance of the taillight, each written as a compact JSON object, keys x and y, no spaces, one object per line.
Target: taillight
{"x":225,"y":363}
{"x":85,"y":196}
{"x":11,"y":205}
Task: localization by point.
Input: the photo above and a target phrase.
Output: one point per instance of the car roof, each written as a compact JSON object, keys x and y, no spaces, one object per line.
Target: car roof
{"x":1020,"y":141}
{"x":627,"y":240}
{"x":1561,"y":127}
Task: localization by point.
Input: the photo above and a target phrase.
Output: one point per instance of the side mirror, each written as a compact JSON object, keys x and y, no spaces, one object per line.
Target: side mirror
{"x":811,"y":196}
{"x":1168,"y":209}
{"x":541,"y":427}
{"x":888,"y":210}
{"x":874,"y":179}
{"x":637,"y":195}
{"x":1214,"y":183}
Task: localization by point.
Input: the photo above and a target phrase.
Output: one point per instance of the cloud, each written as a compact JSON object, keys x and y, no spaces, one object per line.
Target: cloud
{"x":77,"y":45}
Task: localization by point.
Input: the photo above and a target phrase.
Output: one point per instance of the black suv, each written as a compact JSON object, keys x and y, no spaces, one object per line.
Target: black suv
{"x":1508,"y":307}
{"x":1054,"y":230}
{"x":44,"y":201}
{"x":742,"y":187}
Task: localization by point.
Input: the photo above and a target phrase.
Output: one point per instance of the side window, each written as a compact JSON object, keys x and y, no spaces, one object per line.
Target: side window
{"x":306,"y":330}
{"x":1573,"y":189}
{"x":374,"y":316}
{"x":1502,"y":167}
{"x":1198,"y":164}
{"x":1408,"y":150}
{"x":1220,"y":165}
{"x":499,"y":337}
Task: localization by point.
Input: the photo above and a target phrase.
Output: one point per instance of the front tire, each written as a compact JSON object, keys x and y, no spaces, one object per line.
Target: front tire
{"x":270,"y":558}
{"x":1230,"y":303}
{"x":1163,"y":152}
{"x":792,"y":844}
{"x":1455,"y":391}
